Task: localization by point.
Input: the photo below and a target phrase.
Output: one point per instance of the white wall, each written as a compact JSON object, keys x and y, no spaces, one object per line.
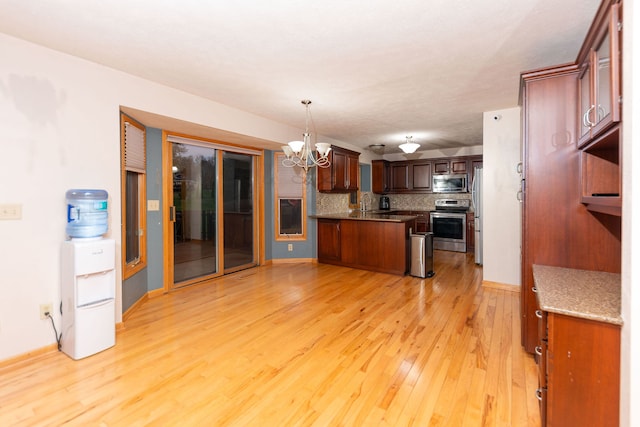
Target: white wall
{"x":59,"y":117}
{"x":501,"y":210}
{"x":630,"y":363}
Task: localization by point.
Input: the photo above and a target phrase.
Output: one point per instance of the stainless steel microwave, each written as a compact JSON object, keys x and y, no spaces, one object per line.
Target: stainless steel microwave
{"x":449,"y":183}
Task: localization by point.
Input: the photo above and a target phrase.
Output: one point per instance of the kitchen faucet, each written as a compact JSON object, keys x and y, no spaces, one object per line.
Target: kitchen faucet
{"x":364,"y":198}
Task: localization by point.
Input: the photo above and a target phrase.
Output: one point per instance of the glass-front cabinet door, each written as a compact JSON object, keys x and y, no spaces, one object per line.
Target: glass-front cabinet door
{"x":584,"y":95}
{"x":599,"y":80}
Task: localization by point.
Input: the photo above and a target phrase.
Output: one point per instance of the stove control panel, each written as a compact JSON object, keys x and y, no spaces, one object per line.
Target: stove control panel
{"x":453,"y":204}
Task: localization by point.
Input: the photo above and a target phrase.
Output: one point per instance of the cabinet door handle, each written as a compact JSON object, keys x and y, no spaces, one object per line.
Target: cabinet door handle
{"x":586,"y":117}
{"x":519,"y":196}
{"x":534,"y":289}
{"x":539,"y":314}
{"x":539,"y":394}
{"x":538,"y":350}
{"x":519,"y":168}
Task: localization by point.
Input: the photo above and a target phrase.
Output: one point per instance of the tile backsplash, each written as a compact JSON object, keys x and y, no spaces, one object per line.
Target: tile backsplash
{"x":327,"y":203}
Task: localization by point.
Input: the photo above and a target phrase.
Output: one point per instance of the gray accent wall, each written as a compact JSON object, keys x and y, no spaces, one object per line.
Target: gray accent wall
{"x":155,"y":236}
{"x":301,"y":249}
{"x":150,"y":278}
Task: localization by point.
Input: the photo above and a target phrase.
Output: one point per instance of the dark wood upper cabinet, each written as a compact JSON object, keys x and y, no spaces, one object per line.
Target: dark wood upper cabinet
{"x":342,"y":176}
{"x":410,"y":177}
{"x":400,"y":180}
{"x":380,"y":176}
{"x":421,"y":174}
{"x":448,"y":166}
{"x":441,"y":166}
{"x":600,"y":104}
{"x":600,"y":75}
{"x":415,"y":176}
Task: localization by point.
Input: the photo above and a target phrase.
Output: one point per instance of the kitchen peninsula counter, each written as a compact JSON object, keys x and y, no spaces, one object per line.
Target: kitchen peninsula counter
{"x":368,"y":240}
{"x":373,"y":215}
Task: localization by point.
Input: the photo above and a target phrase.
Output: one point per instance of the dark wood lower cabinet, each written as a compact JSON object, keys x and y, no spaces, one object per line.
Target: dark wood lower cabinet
{"x":328,"y":240}
{"x":471,"y":232}
{"x":580,"y":361}
{"x":382,"y":246}
{"x":421,"y":224}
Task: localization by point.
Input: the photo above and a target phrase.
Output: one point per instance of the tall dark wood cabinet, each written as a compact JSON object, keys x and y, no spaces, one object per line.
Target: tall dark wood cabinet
{"x":557,"y":229}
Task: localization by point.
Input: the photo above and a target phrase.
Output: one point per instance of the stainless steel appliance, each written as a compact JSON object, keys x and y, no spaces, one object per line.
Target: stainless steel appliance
{"x":476,"y":199}
{"x":449,"y":183}
{"x":449,"y":224}
{"x":422,"y":255}
{"x":384,"y":203}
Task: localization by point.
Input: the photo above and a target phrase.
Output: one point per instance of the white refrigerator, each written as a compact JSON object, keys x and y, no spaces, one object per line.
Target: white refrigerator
{"x":476,"y":200}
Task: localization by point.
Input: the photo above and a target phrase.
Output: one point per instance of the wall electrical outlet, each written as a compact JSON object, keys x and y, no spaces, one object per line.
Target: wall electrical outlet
{"x":44,"y":309}
{"x":290,"y":247}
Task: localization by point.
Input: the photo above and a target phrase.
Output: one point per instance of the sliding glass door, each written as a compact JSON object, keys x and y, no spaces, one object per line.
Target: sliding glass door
{"x":212,"y":217}
{"x":238,"y":191}
{"x":195,"y":244}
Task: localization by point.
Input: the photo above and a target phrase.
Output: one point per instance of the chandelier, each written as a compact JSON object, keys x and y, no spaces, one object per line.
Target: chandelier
{"x":409,"y":147}
{"x":300,"y":153}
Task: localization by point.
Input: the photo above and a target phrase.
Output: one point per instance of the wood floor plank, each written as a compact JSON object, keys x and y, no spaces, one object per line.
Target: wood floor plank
{"x":297,"y":345}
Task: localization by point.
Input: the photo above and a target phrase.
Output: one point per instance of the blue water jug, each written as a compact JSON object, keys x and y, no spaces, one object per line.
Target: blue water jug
{"x":87,"y":214}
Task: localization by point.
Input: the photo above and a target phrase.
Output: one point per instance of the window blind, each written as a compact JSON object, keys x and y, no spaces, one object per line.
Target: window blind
{"x":134,"y":148}
{"x":290,"y":182}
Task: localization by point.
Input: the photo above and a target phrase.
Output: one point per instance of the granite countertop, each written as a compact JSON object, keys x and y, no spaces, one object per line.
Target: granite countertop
{"x":373,"y":215}
{"x":593,"y":295}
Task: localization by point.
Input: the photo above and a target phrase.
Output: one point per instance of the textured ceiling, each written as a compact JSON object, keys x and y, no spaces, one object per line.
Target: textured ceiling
{"x":375,"y":70}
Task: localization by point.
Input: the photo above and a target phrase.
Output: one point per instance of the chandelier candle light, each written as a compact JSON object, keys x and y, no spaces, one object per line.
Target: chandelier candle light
{"x":299,"y":153}
{"x":409,"y":147}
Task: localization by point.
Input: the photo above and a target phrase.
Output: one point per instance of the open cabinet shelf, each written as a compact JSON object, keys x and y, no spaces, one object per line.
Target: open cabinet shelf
{"x":601,"y":172}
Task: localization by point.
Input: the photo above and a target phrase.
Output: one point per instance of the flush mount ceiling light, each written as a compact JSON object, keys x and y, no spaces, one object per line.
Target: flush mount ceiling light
{"x":377,"y":148}
{"x":300,"y":154}
{"x":409,"y":147}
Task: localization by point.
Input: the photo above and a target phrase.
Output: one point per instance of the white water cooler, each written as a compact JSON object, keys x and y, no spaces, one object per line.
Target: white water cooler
{"x":88,"y":296}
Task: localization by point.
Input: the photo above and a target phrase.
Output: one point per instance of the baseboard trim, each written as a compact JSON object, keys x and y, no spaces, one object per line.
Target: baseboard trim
{"x":28,"y":355}
{"x":155,"y":293}
{"x":135,"y":306}
{"x":502,"y":286}
{"x":294,"y":260}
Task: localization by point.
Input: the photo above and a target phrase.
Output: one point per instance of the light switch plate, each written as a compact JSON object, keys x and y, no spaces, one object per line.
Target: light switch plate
{"x":153,"y":205}
{"x":11,"y":211}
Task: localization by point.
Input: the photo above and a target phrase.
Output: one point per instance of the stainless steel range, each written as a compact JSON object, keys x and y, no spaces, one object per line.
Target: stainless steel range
{"x":449,"y":224}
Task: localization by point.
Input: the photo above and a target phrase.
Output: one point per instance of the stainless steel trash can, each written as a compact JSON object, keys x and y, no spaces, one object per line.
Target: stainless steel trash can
{"x":422,"y":255}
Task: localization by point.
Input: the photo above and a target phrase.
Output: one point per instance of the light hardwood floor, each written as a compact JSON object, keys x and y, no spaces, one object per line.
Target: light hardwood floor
{"x":297,"y":345}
